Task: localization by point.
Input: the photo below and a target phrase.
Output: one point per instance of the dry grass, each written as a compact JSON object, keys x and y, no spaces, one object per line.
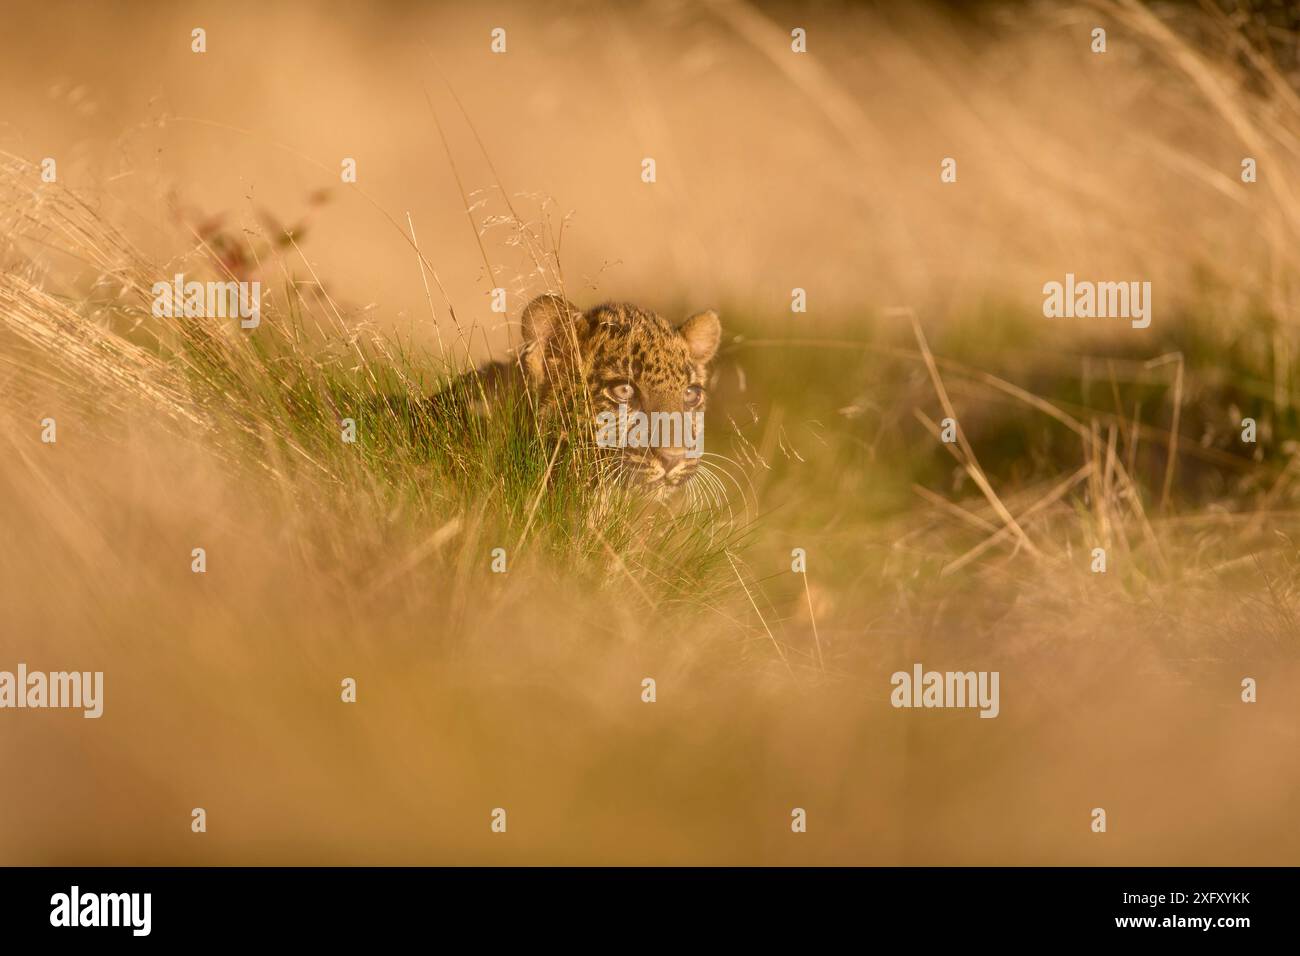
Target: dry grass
{"x":523,"y":689}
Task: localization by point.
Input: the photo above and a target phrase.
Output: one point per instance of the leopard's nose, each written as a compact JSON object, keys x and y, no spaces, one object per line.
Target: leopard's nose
{"x":670,"y":458}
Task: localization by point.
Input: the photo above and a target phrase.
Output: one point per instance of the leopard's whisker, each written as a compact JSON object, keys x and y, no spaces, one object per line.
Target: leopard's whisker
{"x":724,"y":472}
{"x":720,"y":493}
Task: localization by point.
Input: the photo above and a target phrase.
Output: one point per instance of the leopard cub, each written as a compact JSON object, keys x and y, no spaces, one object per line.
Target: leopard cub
{"x":618,"y":363}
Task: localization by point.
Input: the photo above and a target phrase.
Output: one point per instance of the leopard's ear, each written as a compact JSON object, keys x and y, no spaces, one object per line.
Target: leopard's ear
{"x":702,"y":332}
{"x":544,"y":321}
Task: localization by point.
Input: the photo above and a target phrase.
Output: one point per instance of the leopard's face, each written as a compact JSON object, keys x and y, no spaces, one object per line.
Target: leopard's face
{"x":643,"y":382}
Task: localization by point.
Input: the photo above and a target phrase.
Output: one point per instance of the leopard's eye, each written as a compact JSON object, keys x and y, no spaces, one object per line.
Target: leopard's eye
{"x":621,"y":392}
{"x":694,"y":395}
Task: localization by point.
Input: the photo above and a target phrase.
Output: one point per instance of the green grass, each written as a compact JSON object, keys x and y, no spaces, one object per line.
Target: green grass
{"x":278,"y":397}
